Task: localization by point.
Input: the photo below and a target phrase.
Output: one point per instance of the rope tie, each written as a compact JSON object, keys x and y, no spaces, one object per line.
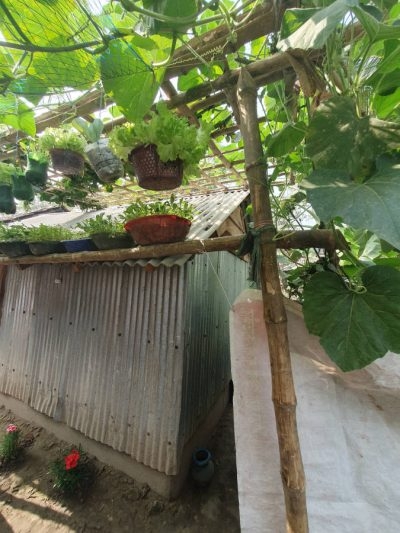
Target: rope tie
{"x":251,"y":244}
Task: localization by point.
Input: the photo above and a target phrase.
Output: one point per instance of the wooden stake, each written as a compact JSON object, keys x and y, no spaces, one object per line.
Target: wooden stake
{"x":283,"y":393}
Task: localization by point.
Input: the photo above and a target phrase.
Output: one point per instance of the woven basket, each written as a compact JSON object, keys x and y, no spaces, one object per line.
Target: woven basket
{"x":152,"y":173}
{"x":158,"y":229}
{"x":67,"y":162}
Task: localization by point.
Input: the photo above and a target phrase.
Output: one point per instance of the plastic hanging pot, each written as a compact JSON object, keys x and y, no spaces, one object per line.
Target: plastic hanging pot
{"x":36,"y":172}
{"x":22,"y":189}
{"x":7,"y":202}
{"x":67,"y":162}
{"x":104,"y":162}
{"x":152,"y":173}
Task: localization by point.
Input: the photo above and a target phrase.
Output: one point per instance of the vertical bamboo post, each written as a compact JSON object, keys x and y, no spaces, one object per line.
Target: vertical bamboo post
{"x":283,"y":393}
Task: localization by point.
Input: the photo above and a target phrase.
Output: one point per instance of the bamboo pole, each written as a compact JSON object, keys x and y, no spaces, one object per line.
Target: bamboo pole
{"x":283,"y":393}
{"x":296,"y":239}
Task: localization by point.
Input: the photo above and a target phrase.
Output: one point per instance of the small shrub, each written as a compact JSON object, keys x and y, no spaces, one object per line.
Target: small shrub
{"x":72,"y":473}
{"x":10,"y":446}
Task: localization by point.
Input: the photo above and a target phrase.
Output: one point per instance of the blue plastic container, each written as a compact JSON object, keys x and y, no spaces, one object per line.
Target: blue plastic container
{"x":79,"y":245}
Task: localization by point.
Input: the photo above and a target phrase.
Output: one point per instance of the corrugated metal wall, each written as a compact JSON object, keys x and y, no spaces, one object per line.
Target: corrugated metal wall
{"x":102,"y":351}
{"x":214,"y":281}
{"x":131,"y":357}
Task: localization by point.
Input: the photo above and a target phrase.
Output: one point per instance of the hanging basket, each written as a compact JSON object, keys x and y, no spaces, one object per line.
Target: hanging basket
{"x":104,"y":162}
{"x":157,"y":229}
{"x":67,"y":162}
{"x":152,"y":173}
{"x":7,"y":202}
{"x":36,"y":172}
{"x":22,"y":189}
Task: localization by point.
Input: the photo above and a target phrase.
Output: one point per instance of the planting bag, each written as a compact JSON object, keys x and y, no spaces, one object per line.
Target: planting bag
{"x":22,"y":189}
{"x":7,"y":202}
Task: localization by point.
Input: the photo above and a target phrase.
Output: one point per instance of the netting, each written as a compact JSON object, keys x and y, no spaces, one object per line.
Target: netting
{"x":58,"y":43}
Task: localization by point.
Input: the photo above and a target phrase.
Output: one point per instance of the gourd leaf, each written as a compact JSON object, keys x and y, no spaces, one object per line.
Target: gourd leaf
{"x":15,"y":113}
{"x":338,"y":139}
{"x":355,"y":328}
{"x":286,"y":139}
{"x":371,"y":205}
{"x":130,"y":82}
{"x":315,"y":32}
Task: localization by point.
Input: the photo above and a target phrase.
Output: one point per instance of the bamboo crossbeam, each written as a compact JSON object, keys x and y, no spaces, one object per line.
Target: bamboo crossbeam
{"x":298,"y":239}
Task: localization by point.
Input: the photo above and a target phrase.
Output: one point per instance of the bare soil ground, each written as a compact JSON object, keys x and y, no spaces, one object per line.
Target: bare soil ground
{"x":115,"y":503}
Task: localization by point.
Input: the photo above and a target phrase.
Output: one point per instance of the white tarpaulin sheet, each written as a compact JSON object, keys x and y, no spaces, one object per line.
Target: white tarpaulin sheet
{"x":349,"y":430}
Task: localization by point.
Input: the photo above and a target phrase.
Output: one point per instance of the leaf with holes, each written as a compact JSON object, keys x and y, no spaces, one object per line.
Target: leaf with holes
{"x":355,"y":328}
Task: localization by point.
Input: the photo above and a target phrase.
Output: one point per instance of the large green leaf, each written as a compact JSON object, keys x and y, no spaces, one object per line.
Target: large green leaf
{"x":338,"y":139}
{"x":355,"y":327}
{"x":294,"y":18}
{"x":76,"y":69}
{"x":372,"y":205}
{"x":182,"y":14}
{"x":15,"y":113}
{"x":129,"y":80}
{"x":316,"y":31}
{"x":286,"y":139}
{"x":376,"y":30}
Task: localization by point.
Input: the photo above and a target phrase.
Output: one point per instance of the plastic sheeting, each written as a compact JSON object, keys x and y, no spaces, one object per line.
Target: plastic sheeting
{"x":349,"y":430}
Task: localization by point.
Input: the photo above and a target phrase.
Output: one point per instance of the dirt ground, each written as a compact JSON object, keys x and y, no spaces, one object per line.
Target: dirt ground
{"x":115,"y":503}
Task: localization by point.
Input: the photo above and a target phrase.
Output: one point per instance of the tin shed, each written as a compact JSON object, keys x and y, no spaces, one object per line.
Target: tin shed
{"x":134,"y":356}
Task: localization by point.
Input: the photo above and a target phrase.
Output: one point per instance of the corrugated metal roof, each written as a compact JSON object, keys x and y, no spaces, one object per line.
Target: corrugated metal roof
{"x":211,"y":211}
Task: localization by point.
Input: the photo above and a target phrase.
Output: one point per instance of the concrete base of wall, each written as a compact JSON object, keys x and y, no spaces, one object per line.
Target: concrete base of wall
{"x":166,"y":486}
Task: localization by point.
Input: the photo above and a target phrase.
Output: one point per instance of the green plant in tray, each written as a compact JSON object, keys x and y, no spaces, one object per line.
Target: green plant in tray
{"x":49,"y":233}
{"x":102,"y":224}
{"x":180,"y":208}
{"x":16,"y":232}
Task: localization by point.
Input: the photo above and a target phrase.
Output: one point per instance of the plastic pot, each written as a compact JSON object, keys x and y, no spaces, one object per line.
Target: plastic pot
{"x":157,"y":229}
{"x":67,"y":162}
{"x":104,"y":241}
{"x":79,"y":245}
{"x":46,"y":247}
{"x":36,"y":172}
{"x":14,"y":248}
{"x":104,"y":162}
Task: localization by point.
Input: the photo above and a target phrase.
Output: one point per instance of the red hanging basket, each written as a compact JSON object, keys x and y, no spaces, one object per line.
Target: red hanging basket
{"x":152,"y":173}
{"x":157,"y":229}
{"x":67,"y":162}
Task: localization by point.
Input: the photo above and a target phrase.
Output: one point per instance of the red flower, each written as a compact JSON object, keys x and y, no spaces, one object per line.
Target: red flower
{"x":11,"y":428}
{"x":71,"y":460}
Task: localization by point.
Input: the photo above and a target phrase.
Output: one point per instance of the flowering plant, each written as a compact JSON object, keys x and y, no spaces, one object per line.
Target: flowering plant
{"x":10,"y":446}
{"x":72,"y":472}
